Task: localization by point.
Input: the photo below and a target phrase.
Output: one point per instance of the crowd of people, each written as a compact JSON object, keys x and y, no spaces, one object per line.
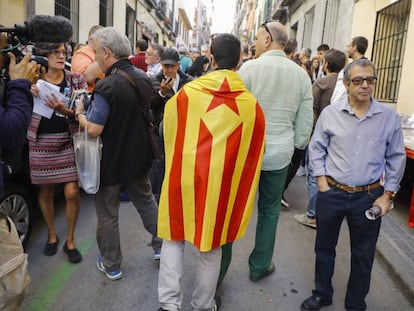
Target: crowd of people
{"x":229,"y":125}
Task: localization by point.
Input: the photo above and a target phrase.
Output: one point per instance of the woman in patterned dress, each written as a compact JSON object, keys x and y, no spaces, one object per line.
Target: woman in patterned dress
{"x":51,"y":152}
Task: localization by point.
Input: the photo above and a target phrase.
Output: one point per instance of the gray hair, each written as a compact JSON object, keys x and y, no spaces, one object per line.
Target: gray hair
{"x":280,"y":37}
{"x":158,"y":48}
{"x":306,"y":52}
{"x":115,"y":41}
{"x":362,"y":62}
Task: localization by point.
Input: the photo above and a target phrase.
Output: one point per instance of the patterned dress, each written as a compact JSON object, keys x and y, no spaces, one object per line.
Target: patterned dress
{"x":51,"y":154}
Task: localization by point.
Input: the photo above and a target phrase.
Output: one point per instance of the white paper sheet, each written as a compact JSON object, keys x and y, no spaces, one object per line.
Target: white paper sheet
{"x":39,"y":102}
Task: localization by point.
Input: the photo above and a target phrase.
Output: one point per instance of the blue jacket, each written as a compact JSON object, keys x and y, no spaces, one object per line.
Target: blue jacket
{"x":15,"y":114}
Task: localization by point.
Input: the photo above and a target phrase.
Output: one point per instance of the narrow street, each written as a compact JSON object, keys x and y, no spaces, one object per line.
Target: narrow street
{"x":59,"y":285}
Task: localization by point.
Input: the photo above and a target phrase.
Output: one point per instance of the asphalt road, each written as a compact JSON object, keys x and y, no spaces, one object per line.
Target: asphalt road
{"x":59,"y":285}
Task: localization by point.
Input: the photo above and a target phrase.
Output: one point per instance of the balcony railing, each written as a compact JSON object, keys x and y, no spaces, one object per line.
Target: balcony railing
{"x":151,"y":3}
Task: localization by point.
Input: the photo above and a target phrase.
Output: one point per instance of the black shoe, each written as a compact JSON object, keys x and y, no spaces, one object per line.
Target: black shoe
{"x":269,"y":271}
{"x":217,"y":299}
{"x":51,"y":248}
{"x":315,"y":303}
{"x":73,"y":254}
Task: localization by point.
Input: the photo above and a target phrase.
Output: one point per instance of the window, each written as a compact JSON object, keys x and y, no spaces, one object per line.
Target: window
{"x":331,"y":21}
{"x":70,"y":10}
{"x":106,"y":8}
{"x":307,"y":31}
{"x":129,"y":25}
{"x":388,"y":49}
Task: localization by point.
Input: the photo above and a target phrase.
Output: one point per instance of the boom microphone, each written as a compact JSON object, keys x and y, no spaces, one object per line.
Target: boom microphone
{"x":42,"y":28}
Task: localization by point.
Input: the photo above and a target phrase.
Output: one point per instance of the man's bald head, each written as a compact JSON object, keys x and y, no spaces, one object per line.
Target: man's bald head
{"x":278,"y":32}
{"x":270,"y":36}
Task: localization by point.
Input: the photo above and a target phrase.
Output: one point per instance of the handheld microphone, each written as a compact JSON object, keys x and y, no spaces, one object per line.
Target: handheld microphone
{"x":42,"y":28}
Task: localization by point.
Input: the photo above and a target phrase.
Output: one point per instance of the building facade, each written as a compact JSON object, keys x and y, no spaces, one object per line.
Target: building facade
{"x":385,"y":23}
{"x":170,"y":23}
{"x":388,"y":25}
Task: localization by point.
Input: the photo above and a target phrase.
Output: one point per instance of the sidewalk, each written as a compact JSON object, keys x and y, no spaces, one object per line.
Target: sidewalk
{"x":395,"y":247}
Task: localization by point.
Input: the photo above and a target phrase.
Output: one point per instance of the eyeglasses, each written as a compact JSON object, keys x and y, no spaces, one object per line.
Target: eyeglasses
{"x":360,"y":80}
{"x":57,"y":53}
{"x":264,"y":25}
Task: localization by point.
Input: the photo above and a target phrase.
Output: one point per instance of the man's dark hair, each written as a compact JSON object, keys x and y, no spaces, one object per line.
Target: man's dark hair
{"x":253,"y":50}
{"x":335,"y":59}
{"x":323,"y":47}
{"x":361,"y":44}
{"x":141,"y":44}
{"x":226,"y":51}
{"x":291,"y":46}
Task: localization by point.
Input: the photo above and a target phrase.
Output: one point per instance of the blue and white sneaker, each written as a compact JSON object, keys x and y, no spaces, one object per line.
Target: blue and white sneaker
{"x":157,"y":255}
{"x":112,"y":275}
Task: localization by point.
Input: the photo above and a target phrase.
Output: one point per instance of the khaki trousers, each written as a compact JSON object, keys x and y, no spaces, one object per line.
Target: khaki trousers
{"x":170,"y":294}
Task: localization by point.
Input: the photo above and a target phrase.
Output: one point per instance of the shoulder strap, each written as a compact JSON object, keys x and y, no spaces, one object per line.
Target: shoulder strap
{"x":145,"y":109}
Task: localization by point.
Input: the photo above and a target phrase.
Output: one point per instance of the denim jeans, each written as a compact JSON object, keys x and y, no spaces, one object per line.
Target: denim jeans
{"x":332,"y":207}
{"x":312,"y":183}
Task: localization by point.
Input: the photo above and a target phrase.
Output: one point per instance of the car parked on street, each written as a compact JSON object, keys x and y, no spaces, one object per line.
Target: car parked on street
{"x":20,"y":196}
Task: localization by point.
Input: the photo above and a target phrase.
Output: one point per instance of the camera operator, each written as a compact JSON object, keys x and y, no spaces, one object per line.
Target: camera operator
{"x":16,"y":99}
{"x":16,"y":103}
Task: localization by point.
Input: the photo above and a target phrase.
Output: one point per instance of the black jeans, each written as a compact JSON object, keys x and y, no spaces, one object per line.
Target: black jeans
{"x":332,"y":207}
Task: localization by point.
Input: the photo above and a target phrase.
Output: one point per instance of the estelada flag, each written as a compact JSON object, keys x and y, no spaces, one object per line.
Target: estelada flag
{"x":214,"y":133}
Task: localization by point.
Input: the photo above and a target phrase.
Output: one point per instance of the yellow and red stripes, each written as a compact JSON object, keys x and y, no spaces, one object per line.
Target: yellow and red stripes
{"x":214,"y":140}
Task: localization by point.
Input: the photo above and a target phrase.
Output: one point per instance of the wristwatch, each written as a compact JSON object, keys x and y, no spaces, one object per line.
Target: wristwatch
{"x":392,"y":194}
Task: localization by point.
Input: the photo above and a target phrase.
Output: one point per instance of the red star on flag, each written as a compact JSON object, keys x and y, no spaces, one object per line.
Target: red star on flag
{"x":224,"y":96}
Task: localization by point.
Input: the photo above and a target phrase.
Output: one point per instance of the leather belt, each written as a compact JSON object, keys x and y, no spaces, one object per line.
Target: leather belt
{"x":352,"y":189}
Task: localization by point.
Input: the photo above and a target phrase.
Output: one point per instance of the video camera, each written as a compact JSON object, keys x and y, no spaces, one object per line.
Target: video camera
{"x":39,"y":28}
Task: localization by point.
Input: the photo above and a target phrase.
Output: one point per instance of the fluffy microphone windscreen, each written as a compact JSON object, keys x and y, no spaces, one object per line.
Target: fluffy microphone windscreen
{"x":44,"y":28}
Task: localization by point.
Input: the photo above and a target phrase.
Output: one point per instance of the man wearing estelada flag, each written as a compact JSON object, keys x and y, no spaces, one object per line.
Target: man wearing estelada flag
{"x":214,"y":132}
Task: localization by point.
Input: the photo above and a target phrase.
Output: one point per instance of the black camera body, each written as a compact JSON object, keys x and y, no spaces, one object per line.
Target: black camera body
{"x":41,"y":60}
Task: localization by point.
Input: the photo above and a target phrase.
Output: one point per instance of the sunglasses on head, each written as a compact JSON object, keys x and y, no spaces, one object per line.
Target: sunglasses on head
{"x":264,"y":25}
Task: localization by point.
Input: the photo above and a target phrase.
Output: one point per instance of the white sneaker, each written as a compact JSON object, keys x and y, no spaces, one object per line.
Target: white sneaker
{"x":284,"y":203}
{"x":301,"y":171}
{"x":305,"y":220}
{"x":157,"y":255}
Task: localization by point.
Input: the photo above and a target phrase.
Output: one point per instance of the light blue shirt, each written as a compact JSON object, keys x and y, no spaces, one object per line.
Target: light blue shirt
{"x":357,"y":151}
{"x":284,"y":91}
{"x":98,"y":111}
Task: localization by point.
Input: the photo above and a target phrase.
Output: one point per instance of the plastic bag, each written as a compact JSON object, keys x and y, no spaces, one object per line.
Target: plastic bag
{"x":88,"y":152}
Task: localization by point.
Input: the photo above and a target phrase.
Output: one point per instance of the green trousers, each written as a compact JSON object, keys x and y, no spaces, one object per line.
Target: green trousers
{"x":271,"y":186}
